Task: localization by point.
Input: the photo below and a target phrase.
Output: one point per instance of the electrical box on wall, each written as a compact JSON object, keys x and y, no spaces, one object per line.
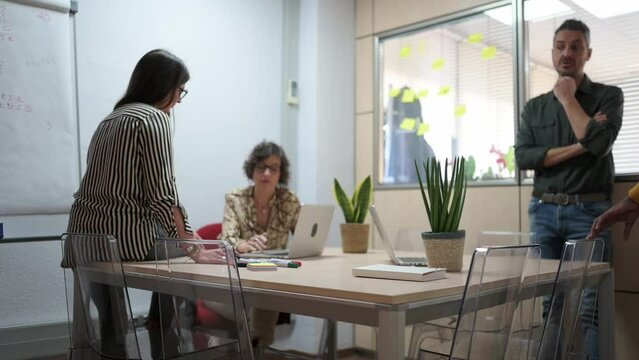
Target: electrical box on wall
{"x":291,"y":93}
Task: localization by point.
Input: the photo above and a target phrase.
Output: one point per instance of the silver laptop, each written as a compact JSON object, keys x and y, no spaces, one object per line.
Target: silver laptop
{"x":311,"y":232}
{"x":398,"y":260}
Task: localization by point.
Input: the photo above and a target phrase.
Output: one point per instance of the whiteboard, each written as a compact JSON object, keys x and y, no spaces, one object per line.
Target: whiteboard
{"x":39,"y":169}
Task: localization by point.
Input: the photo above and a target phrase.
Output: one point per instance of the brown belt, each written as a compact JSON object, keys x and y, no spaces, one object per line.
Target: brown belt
{"x":566,"y":199}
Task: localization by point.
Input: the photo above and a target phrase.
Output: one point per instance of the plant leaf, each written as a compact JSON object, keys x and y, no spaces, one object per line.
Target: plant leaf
{"x":443,"y":197}
{"x":364,"y":198}
{"x":343,"y":201}
{"x":421,"y":187}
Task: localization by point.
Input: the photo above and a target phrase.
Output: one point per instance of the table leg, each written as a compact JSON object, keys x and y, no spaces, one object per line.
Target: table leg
{"x":606,"y":317}
{"x":330,"y":352}
{"x":390,"y":334}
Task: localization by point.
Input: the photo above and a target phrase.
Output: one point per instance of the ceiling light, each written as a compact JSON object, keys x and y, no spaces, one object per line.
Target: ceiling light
{"x":608,"y":8}
{"x":534,"y":10}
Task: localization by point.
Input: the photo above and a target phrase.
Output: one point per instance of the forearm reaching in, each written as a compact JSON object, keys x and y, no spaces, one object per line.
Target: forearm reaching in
{"x":625,"y":211}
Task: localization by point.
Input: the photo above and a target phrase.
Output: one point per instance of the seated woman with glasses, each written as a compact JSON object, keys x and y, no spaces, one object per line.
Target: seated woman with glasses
{"x":260,"y":217}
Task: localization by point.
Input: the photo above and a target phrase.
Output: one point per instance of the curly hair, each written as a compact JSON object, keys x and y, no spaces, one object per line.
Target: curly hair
{"x":260,"y":153}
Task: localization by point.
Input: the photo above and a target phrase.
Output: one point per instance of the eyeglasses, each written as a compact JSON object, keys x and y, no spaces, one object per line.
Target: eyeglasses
{"x":183,"y":93}
{"x":274,"y":169}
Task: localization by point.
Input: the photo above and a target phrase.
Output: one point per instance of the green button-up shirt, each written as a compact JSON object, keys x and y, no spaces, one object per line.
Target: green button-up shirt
{"x":544,"y":125}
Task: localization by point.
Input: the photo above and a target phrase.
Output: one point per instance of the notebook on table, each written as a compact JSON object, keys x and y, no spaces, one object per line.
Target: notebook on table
{"x":397,"y":260}
{"x":309,"y":239}
{"x":395,"y":272}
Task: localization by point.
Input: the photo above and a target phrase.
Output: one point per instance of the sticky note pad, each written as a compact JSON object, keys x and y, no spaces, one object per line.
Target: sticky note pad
{"x":475,"y":38}
{"x":265,"y":266}
{"x":423,"y":129}
{"x":460,"y":110}
{"x":409,"y":96}
{"x":438,"y":64}
{"x":488,"y":53}
{"x":408,"y":124}
{"x":405,"y":52}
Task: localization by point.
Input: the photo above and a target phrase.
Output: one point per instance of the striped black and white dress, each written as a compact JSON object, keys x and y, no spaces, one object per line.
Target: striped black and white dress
{"x":128,"y":190}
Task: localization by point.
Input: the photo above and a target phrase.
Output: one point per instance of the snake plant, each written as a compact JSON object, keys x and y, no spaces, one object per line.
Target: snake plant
{"x":355,"y":208}
{"x":443,"y":197}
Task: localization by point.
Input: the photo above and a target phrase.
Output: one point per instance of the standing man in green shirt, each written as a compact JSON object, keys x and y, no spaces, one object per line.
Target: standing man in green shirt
{"x":566,"y":137}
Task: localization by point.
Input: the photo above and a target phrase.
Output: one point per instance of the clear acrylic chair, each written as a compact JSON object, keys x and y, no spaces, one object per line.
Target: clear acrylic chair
{"x":563,"y":330}
{"x":499,"y":279}
{"x":102,"y":321}
{"x":444,"y":328}
{"x":228,"y":336}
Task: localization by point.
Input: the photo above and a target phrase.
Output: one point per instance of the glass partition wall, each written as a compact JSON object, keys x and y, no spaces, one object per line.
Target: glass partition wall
{"x":448,"y":87}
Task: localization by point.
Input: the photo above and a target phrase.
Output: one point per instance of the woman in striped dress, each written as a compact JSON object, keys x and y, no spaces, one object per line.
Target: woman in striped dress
{"x":129,"y":189}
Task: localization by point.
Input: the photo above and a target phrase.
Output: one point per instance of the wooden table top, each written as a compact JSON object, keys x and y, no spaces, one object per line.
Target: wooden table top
{"x":330,"y":275}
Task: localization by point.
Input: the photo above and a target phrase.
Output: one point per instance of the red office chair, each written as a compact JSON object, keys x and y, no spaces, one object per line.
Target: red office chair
{"x":207,"y":317}
{"x":210,"y":231}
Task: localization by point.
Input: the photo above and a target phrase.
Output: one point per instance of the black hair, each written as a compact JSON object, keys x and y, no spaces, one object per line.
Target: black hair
{"x":155,"y":77}
{"x":575,"y":25}
{"x":260,"y":153}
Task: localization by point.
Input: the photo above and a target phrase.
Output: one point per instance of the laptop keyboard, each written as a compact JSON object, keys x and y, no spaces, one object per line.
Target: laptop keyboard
{"x":411,"y":259}
{"x":274,"y":252}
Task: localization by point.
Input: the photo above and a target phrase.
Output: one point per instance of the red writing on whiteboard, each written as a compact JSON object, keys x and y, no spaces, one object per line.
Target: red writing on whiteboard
{"x":13,"y":102}
{"x":43,"y":16}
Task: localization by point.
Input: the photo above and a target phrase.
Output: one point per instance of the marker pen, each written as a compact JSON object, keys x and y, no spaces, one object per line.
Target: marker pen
{"x":283,"y":263}
{"x":248,"y":261}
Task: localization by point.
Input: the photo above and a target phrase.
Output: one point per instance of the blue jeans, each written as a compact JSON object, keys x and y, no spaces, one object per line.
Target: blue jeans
{"x":552,"y":226}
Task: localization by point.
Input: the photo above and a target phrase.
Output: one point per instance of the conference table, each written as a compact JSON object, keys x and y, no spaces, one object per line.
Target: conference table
{"x":324,"y":287}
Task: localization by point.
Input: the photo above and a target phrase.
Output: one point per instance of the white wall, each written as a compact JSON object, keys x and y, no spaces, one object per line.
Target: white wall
{"x":236,"y":53}
{"x":325,"y":129}
{"x":233,"y":51}
{"x":326,"y":134}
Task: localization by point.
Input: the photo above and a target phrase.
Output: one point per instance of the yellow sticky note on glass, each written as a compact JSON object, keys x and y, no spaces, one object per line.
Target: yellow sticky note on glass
{"x":423,"y":129}
{"x":438,"y":64}
{"x":409,"y":96}
{"x":405,"y":52}
{"x":422,"y":47}
{"x":489,"y":53}
{"x":395,"y":92}
{"x":408,"y":124}
{"x":422,"y":93}
{"x":460,"y":110}
{"x":444,"y":90}
{"x":475,"y":38}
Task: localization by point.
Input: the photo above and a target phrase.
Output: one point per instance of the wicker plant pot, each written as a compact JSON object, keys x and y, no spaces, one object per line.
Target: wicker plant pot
{"x":445,"y":250}
{"x":355,"y":237}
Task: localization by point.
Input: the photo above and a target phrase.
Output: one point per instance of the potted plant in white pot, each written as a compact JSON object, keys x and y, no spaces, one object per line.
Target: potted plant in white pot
{"x":354,"y":232}
{"x":444,"y":202}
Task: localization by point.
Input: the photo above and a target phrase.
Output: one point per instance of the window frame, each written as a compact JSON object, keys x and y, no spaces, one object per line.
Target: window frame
{"x":378,"y":101}
{"x":520,"y":82}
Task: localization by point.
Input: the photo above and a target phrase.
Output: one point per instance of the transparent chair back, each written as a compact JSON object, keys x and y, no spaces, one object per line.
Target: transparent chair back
{"x":498,"y":280}
{"x":220,"y":292}
{"x":102,"y":321}
{"x":561,"y":338}
{"x":504,"y":238}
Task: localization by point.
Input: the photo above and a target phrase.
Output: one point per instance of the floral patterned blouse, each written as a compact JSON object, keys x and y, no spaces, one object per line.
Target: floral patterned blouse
{"x":240,"y":217}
